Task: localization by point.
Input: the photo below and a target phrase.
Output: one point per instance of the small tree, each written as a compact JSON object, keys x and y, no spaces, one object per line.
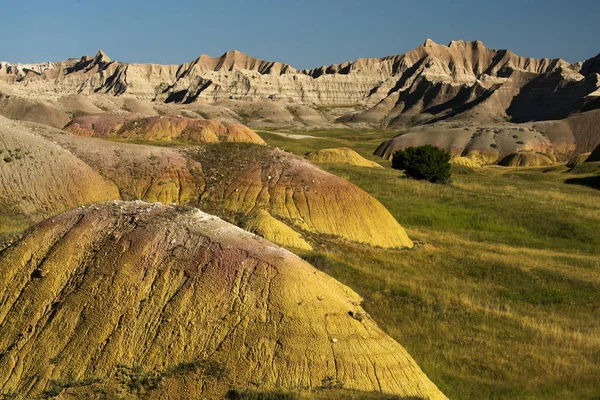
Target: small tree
{"x":424,"y":163}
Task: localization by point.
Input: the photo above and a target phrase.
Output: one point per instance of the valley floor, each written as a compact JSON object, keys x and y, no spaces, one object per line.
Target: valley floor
{"x":501,"y":297}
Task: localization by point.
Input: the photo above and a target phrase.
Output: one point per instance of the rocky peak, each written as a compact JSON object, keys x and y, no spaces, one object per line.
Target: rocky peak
{"x":429,"y":43}
{"x":462,"y":45}
{"x":591,"y":66}
{"x":101,"y":57}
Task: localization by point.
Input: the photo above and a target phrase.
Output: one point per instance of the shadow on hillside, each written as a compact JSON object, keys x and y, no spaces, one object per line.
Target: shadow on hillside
{"x":590,"y":181}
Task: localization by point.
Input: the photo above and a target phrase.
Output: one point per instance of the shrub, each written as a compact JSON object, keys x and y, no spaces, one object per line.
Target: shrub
{"x":424,"y":163}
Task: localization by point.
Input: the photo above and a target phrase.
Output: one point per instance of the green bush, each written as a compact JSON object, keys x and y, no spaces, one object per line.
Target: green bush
{"x":424,"y":163}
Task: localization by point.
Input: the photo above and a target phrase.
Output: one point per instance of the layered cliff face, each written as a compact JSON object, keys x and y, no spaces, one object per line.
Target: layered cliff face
{"x":154,"y":301}
{"x":431,"y":83}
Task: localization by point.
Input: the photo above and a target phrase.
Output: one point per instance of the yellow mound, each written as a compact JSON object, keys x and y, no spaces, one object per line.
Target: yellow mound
{"x":263,"y":224}
{"x":244,"y":178}
{"x":341,"y":155}
{"x":148,"y":173}
{"x":578,"y":159}
{"x":164,"y":128}
{"x":160,"y":302}
{"x":465,"y":162}
{"x":526,"y":160}
{"x":228,"y":179}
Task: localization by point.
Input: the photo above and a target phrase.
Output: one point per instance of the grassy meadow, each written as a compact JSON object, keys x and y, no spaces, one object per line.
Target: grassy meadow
{"x":501,"y":296}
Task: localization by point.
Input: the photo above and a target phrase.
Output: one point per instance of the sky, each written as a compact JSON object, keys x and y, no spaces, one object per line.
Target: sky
{"x":305,"y":34}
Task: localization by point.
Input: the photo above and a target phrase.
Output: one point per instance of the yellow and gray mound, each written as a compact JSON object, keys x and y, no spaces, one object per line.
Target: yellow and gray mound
{"x":165,"y":128}
{"x":154,"y":301}
{"x":486,"y":143}
{"x":341,"y":155}
{"x":491,"y":142}
{"x":232,"y":180}
{"x":244,"y":178}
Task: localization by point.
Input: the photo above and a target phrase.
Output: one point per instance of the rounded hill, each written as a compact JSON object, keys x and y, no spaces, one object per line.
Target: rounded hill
{"x":161,"y":301}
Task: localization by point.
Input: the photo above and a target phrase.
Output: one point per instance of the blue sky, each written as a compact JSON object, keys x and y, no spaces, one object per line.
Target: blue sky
{"x":305,"y":33}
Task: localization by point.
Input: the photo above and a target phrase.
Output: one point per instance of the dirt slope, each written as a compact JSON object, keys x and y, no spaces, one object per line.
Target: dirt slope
{"x":195,"y":304}
{"x":39,"y":178}
{"x":235,"y":180}
{"x":264,"y":224}
{"x":43,"y":112}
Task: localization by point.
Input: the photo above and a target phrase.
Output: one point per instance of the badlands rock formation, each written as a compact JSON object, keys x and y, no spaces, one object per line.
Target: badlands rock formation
{"x":341,"y":155}
{"x":560,"y":140}
{"x":164,"y":128}
{"x":485,"y":144}
{"x":245,"y":177}
{"x":232,"y":180}
{"x":162,"y":302}
{"x":43,"y":112}
{"x":430,"y":83}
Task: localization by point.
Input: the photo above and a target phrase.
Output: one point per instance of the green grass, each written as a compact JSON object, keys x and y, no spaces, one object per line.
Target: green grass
{"x":12,"y":224}
{"x":501,"y":297}
{"x":362,"y":142}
